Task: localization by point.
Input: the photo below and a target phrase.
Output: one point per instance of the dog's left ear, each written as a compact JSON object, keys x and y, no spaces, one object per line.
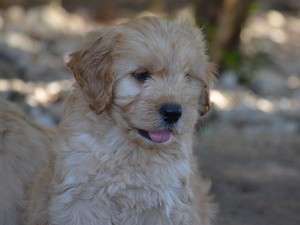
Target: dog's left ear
{"x":204,"y":99}
{"x":91,"y":68}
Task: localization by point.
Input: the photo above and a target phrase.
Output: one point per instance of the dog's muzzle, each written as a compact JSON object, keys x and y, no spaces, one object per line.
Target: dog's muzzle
{"x":170,"y":114}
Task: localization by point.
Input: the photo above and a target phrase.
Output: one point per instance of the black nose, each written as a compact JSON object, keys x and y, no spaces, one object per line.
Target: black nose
{"x":170,"y":112}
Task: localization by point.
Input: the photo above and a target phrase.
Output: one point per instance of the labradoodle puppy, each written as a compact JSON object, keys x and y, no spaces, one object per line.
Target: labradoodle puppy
{"x":24,"y":149}
{"x":123,"y":152}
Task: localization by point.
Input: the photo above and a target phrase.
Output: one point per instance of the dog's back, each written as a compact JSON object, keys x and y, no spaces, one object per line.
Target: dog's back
{"x":24,"y":149}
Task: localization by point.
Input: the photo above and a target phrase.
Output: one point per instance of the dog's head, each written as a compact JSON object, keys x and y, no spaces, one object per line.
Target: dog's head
{"x":150,"y":76}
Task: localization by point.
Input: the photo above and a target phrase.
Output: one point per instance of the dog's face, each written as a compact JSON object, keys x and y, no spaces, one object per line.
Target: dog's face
{"x":151,"y":76}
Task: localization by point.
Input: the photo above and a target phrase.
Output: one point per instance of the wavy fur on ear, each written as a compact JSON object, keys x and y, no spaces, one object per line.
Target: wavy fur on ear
{"x":91,"y":69}
{"x":204,"y":99}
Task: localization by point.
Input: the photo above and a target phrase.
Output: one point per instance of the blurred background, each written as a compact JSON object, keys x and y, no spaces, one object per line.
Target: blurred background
{"x":249,"y":143}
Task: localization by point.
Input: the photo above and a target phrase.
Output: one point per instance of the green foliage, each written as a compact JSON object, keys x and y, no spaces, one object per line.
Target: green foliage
{"x":225,"y":49}
{"x":243,"y":66}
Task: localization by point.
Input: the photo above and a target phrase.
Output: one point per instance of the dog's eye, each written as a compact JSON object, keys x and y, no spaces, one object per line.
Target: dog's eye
{"x":141,"y":76}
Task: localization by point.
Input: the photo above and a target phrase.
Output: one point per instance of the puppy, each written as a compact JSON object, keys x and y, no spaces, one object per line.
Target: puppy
{"x":24,"y":150}
{"x":123,"y":152}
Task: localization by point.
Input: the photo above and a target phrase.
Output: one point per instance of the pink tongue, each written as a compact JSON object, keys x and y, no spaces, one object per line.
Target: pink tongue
{"x":160,"y":136}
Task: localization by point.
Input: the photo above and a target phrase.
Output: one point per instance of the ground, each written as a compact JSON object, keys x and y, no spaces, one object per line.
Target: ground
{"x":248,"y":144}
{"x":255,"y":178}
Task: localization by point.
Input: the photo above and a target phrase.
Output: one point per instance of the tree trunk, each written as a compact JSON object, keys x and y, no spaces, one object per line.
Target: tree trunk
{"x":222,"y":21}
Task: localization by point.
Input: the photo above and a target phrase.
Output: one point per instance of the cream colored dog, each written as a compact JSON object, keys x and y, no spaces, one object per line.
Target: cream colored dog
{"x":24,"y":149}
{"x":123,"y":152}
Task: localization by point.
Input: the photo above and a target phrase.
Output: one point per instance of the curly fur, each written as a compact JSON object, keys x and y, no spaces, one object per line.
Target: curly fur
{"x":103,"y":170}
{"x":24,"y":149}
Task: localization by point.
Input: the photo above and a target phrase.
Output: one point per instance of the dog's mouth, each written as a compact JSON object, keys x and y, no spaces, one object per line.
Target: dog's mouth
{"x":156,"y":136}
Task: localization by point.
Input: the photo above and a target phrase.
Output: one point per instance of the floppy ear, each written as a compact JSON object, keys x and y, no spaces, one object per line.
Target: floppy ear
{"x":91,"y":68}
{"x":204,"y":99}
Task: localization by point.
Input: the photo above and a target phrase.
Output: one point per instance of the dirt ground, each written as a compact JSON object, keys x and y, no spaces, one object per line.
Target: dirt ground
{"x":248,"y":145}
{"x":255,"y":178}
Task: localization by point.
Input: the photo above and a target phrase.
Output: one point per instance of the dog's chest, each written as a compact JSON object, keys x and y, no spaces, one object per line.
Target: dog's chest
{"x":138,"y":189}
{"x":127,"y":192}
{"x":142,"y":190}
{"x":137,"y":196}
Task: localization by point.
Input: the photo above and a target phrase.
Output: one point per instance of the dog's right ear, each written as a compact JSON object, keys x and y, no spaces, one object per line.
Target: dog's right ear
{"x":91,"y":67}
